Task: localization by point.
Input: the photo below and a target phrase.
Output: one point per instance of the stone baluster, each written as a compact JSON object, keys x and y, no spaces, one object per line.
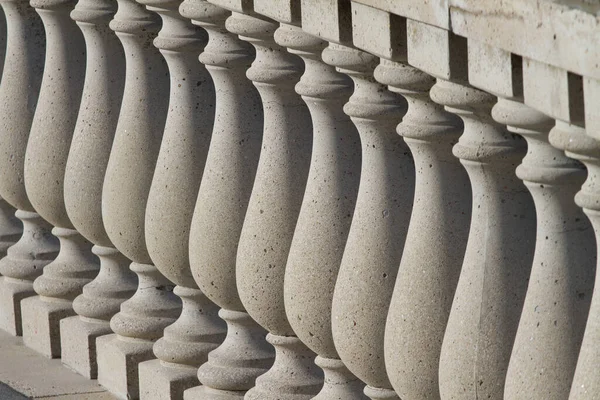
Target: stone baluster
{"x":544,"y":170}
{"x":420,"y":305}
{"x":221,"y":206}
{"x":185,"y":344}
{"x":84,"y":176}
{"x":21,"y":82}
{"x":330,"y":196}
{"x":553,"y":320}
{"x":271,"y":216}
{"x":375,"y":241}
{"x":497,"y":260}
{"x":422,"y":299}
{"x":45,"y":163}
{"x":3,"y":34}
{"x":127,"y":181}
{"x":11,"y":228}
{"x":493,"y":281}
{"x":372,"y":254}
{"x":586,"y":149}
{"x":428,"y":274}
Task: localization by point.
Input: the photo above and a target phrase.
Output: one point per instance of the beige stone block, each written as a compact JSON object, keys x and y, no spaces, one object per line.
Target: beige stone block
{"x":437,"y":51}
{"x":330,"y":20}
{"x":78,"y":344}
{"x":379,"y":32}
{"x":118,"y":360}
{"x":159,"y":381}
{"x":12,"y":292}
{"x":553,"y":91}
{"x":41,"y":324}
{"x":242,"y":6}
{"x":591,"y":91}
{"x":560,"y":33}
{"x":491,"y":69}
{"x":433,"y":12}
{"x":287,"y":11}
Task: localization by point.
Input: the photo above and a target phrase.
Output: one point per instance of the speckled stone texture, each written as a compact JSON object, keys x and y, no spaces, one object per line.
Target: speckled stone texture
{"x":380,"y":220}
{"x":21,"y":82}
{"x":186,"y":343}
{"x":324,"y":220}
{"x":142,"y":318}
{"x":223,"y":197}
{"x":84,"y":176}
{"x":272,"y":214}
{"x":45,"y":162}
{"x":11,"y":228}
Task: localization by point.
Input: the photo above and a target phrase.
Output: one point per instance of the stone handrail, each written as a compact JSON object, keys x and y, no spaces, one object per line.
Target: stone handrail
{"x":316,"y":199}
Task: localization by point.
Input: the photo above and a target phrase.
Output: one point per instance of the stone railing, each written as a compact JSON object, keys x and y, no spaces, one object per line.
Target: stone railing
{"x":384,"y":199}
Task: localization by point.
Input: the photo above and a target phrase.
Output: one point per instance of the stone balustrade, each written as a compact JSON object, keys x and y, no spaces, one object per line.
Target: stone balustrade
{"x":304,"y":199}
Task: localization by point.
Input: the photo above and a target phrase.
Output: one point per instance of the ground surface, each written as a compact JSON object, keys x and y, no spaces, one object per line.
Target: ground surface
{"x":24,"y":374}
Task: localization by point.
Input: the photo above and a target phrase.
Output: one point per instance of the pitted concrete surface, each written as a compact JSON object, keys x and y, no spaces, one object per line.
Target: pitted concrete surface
{"x":8,"y":393}
{"x":25,"y":374}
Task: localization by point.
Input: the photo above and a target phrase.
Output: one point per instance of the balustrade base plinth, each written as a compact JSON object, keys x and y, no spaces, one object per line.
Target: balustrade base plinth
{"x":12,"y":293}
{"x":118,"y":361}
{"x":206,"y":393}
{"x":41,"y":324}
{"x":78,"y":344}
{"x":159,"y":381}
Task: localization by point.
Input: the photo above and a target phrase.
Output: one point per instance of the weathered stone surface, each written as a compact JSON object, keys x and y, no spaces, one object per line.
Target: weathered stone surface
{"x":586,"y":379}
{"x":11,"y":228}
{"x":558,"y":297}
{"x":272,"y":214}
{"x":542,"y":30}
{"x":324,"y":220}
{"x":375,"y":242}
{"x":432,"y":12}
{"x":186,"y":343}
{"x":493,"y":280}
{"x":45,"y":164}
{"x":84,"y":177}
{"x":21,"y":82}
{"x":127,"y":182}
{"x":223,"y":197}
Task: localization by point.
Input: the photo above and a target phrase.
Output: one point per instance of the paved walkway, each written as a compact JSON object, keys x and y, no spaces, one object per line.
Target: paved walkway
{"x":25,"y":374}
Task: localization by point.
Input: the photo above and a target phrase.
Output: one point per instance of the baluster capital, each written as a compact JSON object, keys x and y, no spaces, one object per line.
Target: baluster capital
{"x":96,"y":12}
{"x":273,"y":64}
{"x":132,"y":18}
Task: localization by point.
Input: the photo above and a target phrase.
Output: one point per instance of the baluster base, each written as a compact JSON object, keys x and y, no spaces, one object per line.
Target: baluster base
{"x":118,"y":359}
{"x":339,"y":383}
{"x":158,"y":380}
{"x":233,"y":367}
{"x":78,"y":344}
{"x":185,"y":346}
{"x":380,"y":393}
{"x":294,"y":375}
{"x":12,"y":292}
{"x":206,"y":393}
{"x":24,"y":262}
{"x":41,"y":324}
